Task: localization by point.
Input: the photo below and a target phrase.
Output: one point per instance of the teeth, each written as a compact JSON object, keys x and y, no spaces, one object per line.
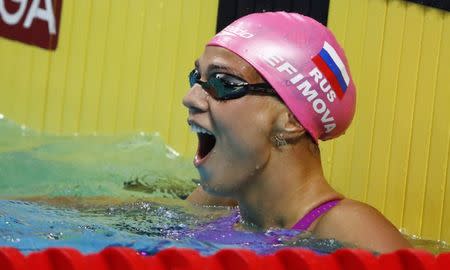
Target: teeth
{"x":198,"y":129}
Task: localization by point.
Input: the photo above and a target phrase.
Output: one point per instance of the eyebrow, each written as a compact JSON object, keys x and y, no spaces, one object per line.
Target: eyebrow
{"x":212,"y":68}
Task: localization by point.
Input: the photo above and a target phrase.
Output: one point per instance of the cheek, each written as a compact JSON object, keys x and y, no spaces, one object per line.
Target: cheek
{"x":248,"y":137}
{"x":244,"y":148}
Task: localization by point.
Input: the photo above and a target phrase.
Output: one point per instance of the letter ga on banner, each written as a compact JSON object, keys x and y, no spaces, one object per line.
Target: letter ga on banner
{"x":34,"y":22}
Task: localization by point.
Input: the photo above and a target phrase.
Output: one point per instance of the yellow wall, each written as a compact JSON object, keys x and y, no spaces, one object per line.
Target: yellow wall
{"x":396,"y":154}
{"x":122,"y":66}
{"x":119,"y":66}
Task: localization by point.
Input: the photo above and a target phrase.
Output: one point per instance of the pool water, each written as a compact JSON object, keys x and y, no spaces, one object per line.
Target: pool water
{"x":91,"y":192}
{"x":145,"y":226}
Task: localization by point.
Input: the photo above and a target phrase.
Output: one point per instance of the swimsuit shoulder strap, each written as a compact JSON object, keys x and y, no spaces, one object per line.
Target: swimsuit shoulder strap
{"x":305,"y":222}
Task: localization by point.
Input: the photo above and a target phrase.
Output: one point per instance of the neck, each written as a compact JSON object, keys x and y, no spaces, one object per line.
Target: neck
{"x":277,"y":197}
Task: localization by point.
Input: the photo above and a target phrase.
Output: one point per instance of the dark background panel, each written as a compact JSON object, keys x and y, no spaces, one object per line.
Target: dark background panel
{"x":227,"y":13}
{"x":442,"y":4}
{"x":302,"y":6}
{"x":245,"y":7}
{"x":230,"y":10}
{"x":316,"y":10}
{"x":282,"y":5}
{"x":264,"y":5}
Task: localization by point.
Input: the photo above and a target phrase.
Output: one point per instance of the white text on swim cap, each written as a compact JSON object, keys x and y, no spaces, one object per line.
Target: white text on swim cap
{"x":304,"y":86}
{"x":235,"y":31}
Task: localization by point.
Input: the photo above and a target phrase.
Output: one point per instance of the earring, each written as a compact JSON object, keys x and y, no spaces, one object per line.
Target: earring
{"x":279,"y":140}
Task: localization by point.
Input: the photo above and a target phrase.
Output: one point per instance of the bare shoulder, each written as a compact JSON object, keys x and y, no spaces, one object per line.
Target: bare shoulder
{"x":360,"y":224}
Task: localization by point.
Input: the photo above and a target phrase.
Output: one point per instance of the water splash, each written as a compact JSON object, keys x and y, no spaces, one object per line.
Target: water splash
{"x":38,"y":164}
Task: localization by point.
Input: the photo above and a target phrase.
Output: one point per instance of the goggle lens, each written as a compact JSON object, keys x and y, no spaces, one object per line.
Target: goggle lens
{"x":224,"y":86}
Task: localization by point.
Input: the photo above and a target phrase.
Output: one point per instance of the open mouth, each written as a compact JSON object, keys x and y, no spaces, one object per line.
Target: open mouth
{"x":206,"y":141}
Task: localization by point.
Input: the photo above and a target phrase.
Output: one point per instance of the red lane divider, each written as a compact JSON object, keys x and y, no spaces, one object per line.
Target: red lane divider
{"x":443,"y":261}
{"x":180,"y":259}
{"x":116,"y":258}
{"x":292,"y":258}
{"x":11,"y":259}
{"x":350,"y":259}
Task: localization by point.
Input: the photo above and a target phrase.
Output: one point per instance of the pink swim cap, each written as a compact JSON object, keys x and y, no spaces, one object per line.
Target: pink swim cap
{"x":302,"y":61}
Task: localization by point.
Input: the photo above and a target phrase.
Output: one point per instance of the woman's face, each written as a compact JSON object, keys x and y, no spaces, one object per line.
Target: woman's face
{"x":238,"y":145}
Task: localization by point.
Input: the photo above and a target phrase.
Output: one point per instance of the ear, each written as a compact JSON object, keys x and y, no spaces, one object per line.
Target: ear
{"x":288,"y":128}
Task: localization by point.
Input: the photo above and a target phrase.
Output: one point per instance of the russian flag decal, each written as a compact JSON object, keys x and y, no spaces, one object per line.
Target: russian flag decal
{"x":331,"y":65}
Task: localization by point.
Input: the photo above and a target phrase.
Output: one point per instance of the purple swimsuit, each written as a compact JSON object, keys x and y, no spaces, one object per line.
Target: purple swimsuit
{"x":305,"y":222}
{"x":221,"y":231}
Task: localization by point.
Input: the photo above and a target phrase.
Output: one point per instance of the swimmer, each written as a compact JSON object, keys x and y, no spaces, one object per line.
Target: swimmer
{"x":265,"y":90}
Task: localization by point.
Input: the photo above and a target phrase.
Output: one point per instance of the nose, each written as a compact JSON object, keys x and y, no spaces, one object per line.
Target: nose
{"x":196,"y":99}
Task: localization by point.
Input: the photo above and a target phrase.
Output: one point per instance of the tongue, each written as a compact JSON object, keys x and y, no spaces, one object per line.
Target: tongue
{"x":205,"y":144}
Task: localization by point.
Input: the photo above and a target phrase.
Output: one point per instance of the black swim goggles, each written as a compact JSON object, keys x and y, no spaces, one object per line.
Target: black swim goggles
{"x":222,"y":86}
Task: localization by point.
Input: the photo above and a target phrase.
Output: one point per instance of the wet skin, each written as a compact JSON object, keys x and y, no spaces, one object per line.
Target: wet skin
{"x":274,"y":186}
{"x":242,"y":127}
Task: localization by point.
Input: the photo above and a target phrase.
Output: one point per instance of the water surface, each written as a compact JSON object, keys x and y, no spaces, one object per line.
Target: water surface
{"x":91,"y":192}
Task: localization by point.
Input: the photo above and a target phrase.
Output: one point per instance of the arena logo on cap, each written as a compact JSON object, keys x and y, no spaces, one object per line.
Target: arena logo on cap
{"x":235,"y":31}
{"x":331,"y":65}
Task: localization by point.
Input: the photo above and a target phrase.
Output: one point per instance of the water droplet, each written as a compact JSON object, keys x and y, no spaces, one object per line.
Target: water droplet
{"x":53,"y":236}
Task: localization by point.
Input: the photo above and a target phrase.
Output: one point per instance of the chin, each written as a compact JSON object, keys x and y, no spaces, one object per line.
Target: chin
{"x":216,"y":189}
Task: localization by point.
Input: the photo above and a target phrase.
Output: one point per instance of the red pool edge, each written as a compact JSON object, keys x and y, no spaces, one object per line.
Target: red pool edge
{"x":175,"y":258}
